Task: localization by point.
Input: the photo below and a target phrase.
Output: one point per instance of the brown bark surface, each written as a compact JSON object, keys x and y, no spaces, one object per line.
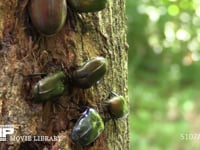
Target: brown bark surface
{"x":23,"y":51}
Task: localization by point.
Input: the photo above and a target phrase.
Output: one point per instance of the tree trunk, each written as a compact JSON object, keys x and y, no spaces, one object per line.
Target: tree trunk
{"x":23,"y":52}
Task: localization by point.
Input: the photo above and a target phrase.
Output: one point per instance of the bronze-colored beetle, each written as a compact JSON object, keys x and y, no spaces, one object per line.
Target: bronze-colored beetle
{"x":117,"y":106}
{"x":48,"y":16}
{"x":87,"y":5}
{"x":90,"y":73}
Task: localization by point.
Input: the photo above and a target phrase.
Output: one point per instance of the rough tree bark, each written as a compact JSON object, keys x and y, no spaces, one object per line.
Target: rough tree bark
{"x":23,"y":51}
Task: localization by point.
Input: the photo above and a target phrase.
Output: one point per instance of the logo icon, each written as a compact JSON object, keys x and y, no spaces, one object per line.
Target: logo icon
{"x":6,"y":130}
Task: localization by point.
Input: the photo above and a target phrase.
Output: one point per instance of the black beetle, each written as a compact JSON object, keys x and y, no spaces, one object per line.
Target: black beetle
{"x":88,"y":127}
{"x":48,"y":16}
{"x":87,"y":5}
{"x":90,"y":73}
{"x":51,"y":86}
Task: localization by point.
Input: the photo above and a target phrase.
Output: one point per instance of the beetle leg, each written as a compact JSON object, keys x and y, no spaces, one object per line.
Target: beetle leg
{"x":35,"y":75}
{"x":73,"y":19}
{"x":73,"y":120}
{"x":114,"y":123}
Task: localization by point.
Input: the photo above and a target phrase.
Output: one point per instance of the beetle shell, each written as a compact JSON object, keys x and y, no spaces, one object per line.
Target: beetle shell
{"x":88,"y":127}
{"x":48,"y":16}
{"x":117,"y":106}
{"x":49,"y":87}
{"x":90,"y":73}
{"x":87,"y":5}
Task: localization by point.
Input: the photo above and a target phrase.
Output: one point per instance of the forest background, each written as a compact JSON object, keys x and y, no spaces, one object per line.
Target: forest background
{"x":164,"y":74}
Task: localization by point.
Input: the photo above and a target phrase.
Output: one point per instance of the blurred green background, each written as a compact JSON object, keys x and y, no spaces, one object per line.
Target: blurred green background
{"x":164,"y":74}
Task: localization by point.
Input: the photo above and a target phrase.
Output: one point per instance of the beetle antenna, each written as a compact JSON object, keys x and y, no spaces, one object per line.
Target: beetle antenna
{"x":113,"y":93}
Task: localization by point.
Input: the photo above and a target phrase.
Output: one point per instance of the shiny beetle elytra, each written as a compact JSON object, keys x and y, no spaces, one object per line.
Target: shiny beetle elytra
{"x":90,"y":73}
{"x":87,"y":5}
{"x":51,"y":86}
{"x":88,"y":127}
{"x":117,"y":106}
{"x":48,"y":16}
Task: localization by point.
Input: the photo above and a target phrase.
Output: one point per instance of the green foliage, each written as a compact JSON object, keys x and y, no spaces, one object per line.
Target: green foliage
{"x":164,"y":62}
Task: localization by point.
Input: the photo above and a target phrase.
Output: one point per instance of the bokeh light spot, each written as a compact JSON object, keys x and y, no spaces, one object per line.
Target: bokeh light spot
{"x":173,"y":10}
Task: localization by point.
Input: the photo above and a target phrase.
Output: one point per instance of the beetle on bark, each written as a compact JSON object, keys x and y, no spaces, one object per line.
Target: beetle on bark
{"x":88,"y":127}
{"x":89,"y":73}
{"x":53,"y":85}
{"x":48,"y":16}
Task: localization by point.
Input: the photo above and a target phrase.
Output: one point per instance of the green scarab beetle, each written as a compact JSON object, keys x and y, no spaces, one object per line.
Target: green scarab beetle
{"x":87,"y":5}
{"x":117,"y":106}
{"x":51,"y":86}
{"x":88,"y":127}
{"x":90,"y":73}
{"x":48,"y":16}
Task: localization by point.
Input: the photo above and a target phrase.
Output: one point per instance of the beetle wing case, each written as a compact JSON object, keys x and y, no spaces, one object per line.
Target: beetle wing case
{"x":88,"y":127}
{"x":48,"y":16}
{"x":90,"y":73}
{"x":118,"y":107}
{"x":49,"y":87}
